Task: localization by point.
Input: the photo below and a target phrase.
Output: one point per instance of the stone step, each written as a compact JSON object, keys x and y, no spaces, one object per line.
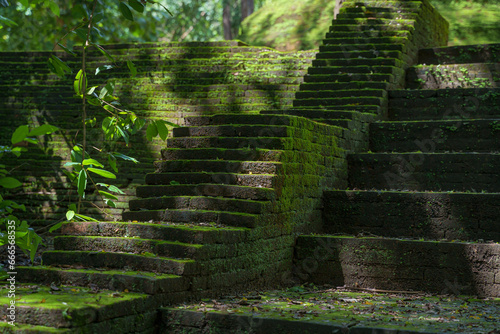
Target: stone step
{"x":456,"y":268}
{"x":442,"y":104}
{"x":341,"y":93}
{"x":118,"y":280}
{"x":436,"y":136}
{"x":170,"y":249}
{"x":428,"y":215}
{"x":307,"y":86}
{"x":215,"y":190}
{"x":214,"y":166}
{"x":269,"y":143}
{"x":342,"y":101}
{"x":169,"y":232}
{"x":367,"y":34}
{"x":224,"y":119}
{"x":351,"y":62}
{"x":197,"y":217}
{"x":460,"y":54}
{"x":476,"y":172}
{"x":326,"y":114}
{"x":105,"y":260}
{"x":235,"y":130}
{"x":470,"y":75}
{"x":352,"y":71}
{"x":380,"y":6}
{"x":360,"y":54}
{"x":348,"y":43}
{"x":348,"y":77}
{"x":220,"y":154}
{"x":371,"y":21}
{"x":200,"y":203}
{"x":373,"y":47}
{"x":374,"y":15}
{"x":249,"y":180}
{"x":376,"y":26}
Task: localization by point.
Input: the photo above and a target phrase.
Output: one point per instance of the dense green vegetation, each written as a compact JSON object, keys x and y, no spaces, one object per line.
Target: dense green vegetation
{"x":292,"y":25}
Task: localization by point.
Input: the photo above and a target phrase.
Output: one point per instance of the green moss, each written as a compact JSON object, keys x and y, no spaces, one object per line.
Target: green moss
{"x":289,"y":25}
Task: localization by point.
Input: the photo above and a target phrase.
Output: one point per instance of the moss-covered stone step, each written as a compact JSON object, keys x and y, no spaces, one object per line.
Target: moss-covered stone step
{"x":118,"y":280}
{"x":377,"y":13}
{"x":368,"y":34}
{"x":436,"y":136}
{"x":321,"y":94}
{"x":474,"y":172}
{"x":170,"y":232}
{"x":221,"y":154}
{"x":242,"y":167}
{"x":360,"y":54}
{"x":48,"y":310}
{"x":170,"y":249}
{"x":360,"y":76}
{"x":470,"y":75}
{"x":429,"y":215}
{"x":466,"y":103}
{"x":460,"y":54}
{"x":195,"y":217}
{"x":111,"y":260}
{"x":355,"y":48}
{"x":325,"y":114}
{"x":308,"y":86}
{"x":380,"y":6}
{"x":250,"y":180}
{"x":233,"y":191}
{"x":227,"y":142}
{"x":355,"y":65}
{"x":376,"y":26}
{"x":233,"y":130}
{"x":347,"y":43}
{"x":341,"y":101}
{"x":457,"y":268}
{"x":200,"y":203}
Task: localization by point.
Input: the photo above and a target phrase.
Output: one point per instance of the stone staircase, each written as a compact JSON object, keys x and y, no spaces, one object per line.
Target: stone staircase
{"x":423,"y":208}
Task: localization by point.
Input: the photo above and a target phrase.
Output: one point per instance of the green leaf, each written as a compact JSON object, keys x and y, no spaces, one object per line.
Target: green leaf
{"x":103,"y":68}
{"x":4,"y":3}
{"x":10,"y":182}
{"x":102,"y":172}
{"x":7,"y":22}
{"x":66,"y":49}
{"x":94,"y":162}
{"x":104,"y":52}
{"x":85,"y":218}
{"x":112,"y":188}
{"x":125,"y":157}
{"x":54,"y":8}
{"x":45,"y":129}
{"x":125,"y":10}
{"x":162,"y":129}
{"x":136,"y":5}
{"x":112,"y":163}
{"x":82,"y":183}
{"x":56,"y":226}
{"x":166,"y":9}
{"x":80,"y":83}
{"x":132,"y":68}
{"x":151,"y":131}
{"x":20,"y":134}
{"x":110,"y":203}
{"x":123,"y":134}
{"x":70,"y":214}
{"x":68,"y":164}
{"x":107,"y":90}
{"x":107,"y":195}
{"x":81,"y":33}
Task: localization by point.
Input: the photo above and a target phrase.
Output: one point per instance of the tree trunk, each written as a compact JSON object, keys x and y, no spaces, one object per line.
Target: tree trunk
{"x":226,"y":22}
{"x":247,"y":8}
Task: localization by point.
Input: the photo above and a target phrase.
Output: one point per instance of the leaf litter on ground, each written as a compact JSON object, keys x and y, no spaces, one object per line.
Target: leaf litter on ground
{"x":347,"y":307}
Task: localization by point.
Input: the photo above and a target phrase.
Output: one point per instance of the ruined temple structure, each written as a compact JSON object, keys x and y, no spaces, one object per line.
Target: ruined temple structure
{"x":371,"y":163}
